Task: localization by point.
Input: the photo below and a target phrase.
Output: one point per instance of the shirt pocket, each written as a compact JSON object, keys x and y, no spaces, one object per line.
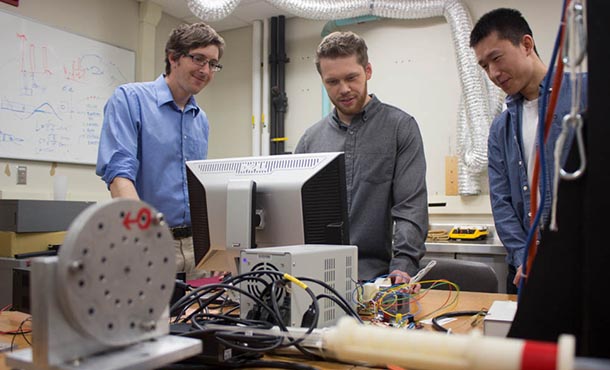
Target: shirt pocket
{"x":376,"y":168}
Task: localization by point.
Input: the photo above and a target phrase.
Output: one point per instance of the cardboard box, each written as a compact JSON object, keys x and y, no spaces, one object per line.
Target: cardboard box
{"x":12,"y":243}
{"x":499,"y":318}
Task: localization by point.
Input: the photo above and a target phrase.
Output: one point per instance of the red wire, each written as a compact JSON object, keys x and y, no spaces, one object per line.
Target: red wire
{"x":16,"y":332}
{"x":557,"y":79}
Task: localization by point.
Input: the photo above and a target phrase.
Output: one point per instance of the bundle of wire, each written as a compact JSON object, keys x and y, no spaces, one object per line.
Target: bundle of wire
{"x":213,"y":306}
{"x":392,"y":305}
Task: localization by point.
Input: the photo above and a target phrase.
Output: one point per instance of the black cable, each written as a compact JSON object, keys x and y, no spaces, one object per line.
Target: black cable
{"x":338,"y":302}
{"x":246,"y":293}
{"x":272,"y":342}
{"x":203,"y":304}
{"x":271,"y":292}
{"x":276,"y":365}
{"x":251,"y":344}
{"x":182,"y":284}
{"x":237,"y":307}
{"x":353,"y":312}
{"x":256,"y":342}
{"x":247,"y":364}
{"x":194,"y":296}
{"x":247,"y":338}
{"x":439,"y":327}
{"x":312,"y":326}
{"x":255,"y":275}
{"x":220,"y":319}
{"x":243,"y":276}
{"x":21,"y":332}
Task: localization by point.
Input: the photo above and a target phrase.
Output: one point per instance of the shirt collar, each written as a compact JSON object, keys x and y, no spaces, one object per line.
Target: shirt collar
{"x":368,"y":110}
{"x":164,"y":96}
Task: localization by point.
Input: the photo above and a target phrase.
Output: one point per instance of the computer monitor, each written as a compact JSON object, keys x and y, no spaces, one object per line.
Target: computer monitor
{"x":241,"y":203}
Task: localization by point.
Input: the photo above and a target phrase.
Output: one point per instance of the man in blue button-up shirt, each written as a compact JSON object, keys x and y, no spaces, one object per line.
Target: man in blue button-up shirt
{"x":150,"y":129}
{"x":505,"y":49}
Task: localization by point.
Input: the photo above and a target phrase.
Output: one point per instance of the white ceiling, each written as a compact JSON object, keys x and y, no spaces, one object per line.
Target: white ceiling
{"x":246,"y":12}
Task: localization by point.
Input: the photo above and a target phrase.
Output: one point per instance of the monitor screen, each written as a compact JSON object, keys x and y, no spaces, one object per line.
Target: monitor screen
{"x":241,"y":203}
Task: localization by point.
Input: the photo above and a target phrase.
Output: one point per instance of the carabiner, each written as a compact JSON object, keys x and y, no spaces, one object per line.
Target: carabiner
{"x":575,"y":41}
{"x":576,"y":122}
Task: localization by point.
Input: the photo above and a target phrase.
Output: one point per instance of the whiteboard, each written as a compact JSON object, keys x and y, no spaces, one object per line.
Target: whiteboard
{"x":53,"y":88}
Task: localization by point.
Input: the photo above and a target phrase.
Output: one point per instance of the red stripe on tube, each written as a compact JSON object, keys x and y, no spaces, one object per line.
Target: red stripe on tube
{"x":539,"y":356}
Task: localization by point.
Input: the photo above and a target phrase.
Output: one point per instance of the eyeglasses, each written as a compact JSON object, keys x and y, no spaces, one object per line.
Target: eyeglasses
{"x":201,"y":61}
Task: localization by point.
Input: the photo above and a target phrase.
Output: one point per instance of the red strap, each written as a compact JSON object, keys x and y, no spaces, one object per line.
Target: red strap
{"x":539,"y":356}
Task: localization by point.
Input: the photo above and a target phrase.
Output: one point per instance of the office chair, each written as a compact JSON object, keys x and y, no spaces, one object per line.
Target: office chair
{"x":468,"y":275}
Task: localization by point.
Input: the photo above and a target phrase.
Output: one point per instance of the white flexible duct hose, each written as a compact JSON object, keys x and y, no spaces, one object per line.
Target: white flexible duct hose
{"x":481,"y":99}
{"x":212,"y":10}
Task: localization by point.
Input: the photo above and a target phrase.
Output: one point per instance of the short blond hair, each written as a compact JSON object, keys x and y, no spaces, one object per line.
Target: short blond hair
{"x":342,"y":44}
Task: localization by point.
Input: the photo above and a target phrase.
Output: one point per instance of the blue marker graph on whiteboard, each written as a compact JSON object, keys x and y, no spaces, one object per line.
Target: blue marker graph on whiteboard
{"x":5,"y":137}
{"x":41,"y":109}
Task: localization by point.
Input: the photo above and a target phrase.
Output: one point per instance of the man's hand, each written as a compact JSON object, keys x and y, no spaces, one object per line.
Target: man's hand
{"x":401,"y":277}
{"x":518,"y":276}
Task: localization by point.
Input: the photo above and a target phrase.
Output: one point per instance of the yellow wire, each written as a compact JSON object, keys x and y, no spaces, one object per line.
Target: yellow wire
{"x":295,"y":280}
{"x":450,"y":305}
{"x":381,"y":304}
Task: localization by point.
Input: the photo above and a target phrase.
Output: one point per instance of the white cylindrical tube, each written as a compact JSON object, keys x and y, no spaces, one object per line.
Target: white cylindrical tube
{"x":266,"y":135}
{"x":256,"y":87}
{"x":350,"y":341}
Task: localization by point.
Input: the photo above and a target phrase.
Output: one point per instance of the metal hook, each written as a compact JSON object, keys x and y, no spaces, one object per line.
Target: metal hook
{"x":576,"y":24}
{"x":576,"y":122}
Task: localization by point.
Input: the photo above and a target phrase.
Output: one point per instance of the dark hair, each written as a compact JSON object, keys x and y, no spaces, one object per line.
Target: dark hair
{"x":185,"y":38}
{"x":508,"y":23}
{"x":342,"y":44}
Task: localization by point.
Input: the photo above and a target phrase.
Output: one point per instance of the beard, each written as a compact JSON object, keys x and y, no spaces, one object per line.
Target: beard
{"x":355,"y":107}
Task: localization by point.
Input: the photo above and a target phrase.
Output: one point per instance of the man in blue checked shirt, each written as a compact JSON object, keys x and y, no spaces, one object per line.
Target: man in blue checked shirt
{"x":151,"y":128}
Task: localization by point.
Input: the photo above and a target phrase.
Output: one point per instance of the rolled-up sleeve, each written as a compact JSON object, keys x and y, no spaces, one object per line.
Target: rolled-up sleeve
{"x":118,"y":148}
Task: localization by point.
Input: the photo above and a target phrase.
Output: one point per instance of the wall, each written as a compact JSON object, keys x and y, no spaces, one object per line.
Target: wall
{"x":413,"y":67}
{"x":164,"y":28}
{"x":227,"y":100}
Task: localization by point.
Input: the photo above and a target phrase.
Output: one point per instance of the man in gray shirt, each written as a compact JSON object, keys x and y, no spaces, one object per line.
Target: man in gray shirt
{"x":384,"y":162}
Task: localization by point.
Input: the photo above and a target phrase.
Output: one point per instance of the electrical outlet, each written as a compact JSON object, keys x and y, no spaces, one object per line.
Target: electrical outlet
{"x":22,"y":175}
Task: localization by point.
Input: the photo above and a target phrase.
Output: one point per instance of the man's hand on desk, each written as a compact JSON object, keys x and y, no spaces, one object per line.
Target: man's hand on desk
{"x":401,"y":277}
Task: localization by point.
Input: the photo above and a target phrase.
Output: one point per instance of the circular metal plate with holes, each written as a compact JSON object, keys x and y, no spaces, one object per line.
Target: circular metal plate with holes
{"x":116,"y":271}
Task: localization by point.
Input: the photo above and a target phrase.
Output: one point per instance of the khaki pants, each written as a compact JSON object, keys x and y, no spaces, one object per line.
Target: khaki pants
{"x":185,"y":259}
